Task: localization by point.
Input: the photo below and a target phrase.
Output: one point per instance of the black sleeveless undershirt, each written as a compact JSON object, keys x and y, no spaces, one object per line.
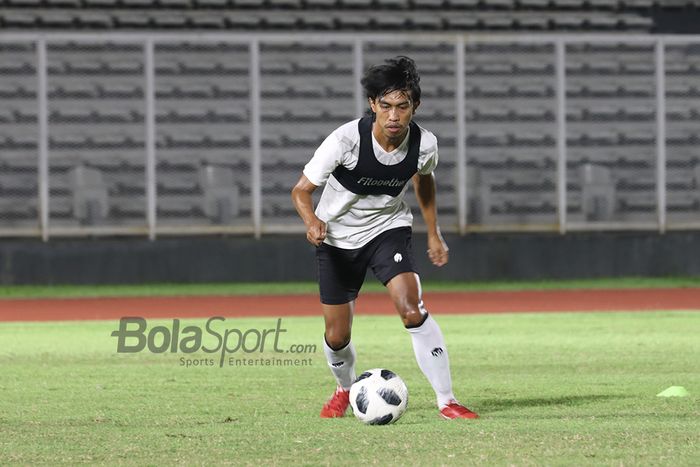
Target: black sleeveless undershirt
{"x":371,"y":177}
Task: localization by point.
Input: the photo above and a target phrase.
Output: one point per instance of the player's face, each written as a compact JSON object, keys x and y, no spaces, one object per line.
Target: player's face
{"x":394,"y":112}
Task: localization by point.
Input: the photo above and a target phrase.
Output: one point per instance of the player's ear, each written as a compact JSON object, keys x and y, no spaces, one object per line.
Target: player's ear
{"x":372,"y":104}
{"x":415,"y":106}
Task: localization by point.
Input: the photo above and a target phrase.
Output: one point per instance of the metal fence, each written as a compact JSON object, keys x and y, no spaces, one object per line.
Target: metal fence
{"x":157,"y":134}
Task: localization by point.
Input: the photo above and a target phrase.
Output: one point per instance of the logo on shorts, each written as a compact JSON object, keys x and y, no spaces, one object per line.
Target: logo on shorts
{"x":398,"y":258}
{"x":437,"y":351}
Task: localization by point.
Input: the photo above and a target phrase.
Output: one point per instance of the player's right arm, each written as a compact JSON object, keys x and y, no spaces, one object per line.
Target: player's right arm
{"x":316,"y":172}
{"x":303,"y":203}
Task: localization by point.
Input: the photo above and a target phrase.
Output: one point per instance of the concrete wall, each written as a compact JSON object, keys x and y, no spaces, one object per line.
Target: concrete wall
{"x":291,"y":258}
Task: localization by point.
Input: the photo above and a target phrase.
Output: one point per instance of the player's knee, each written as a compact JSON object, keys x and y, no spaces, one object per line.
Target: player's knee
{"x":412,"y":317}
{"x":337,"y":338}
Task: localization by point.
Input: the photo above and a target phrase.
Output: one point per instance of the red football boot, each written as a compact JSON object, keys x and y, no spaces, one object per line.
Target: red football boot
{"x":337,"y":404}
{"x":456,"y":410}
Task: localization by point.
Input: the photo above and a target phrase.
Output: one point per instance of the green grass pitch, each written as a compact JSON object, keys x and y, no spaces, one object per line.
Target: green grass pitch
{"x":552,"y":389}
{"x":268,"y":288}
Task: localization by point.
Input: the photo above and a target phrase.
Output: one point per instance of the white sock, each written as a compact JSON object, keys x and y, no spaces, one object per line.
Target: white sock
{"x":342,"y":364}
{"x":431,"y":355}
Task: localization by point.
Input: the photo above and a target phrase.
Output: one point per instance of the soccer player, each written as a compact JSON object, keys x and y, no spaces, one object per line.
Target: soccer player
{"x":362,"y":221}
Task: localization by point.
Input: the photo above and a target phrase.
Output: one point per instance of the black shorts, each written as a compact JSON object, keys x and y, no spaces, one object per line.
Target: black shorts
{"x":341,"y":272}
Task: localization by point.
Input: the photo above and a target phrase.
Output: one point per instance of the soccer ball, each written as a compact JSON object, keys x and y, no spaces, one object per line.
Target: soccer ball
{"x":378,"y":397}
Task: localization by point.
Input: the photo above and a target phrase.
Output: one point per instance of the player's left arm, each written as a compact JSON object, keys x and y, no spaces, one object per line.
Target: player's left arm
{"x":424,"y":186}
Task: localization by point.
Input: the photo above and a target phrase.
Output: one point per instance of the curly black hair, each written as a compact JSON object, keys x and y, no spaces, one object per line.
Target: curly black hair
{"x":396,"y":74}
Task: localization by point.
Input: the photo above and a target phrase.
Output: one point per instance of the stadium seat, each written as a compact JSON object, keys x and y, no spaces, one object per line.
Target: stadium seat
{"x":207,"y":21}
{"x":101,"y":3}
{"x":69,"y":141}
{"x":491,"y":114}
{"x":119,"y":91}
{"x":75,"y":115}
{"x":185,"y":115}
{"x":496,"y":68}
{"x":601,"y":112}
{"x":280,"y":21}
{"x":94,"y":20}
{"x":13,"y":91}
{"x":680,"y":89}
{"x":6,"y":116}
{"x":643,"y":4}
{"x":533,"y":67}
{"x":170,"y":182}
{"x":498,"y":22}
{"x":500,"y":4}
{"x":11,"y":67}
{"x":395,"y":5}
{"x":221,"y":193}
{"x":598,"y":192}
{"x":640,"y":23}
{"x":429,"y":4}
{"x":124,"y":67}
{"x":677,"y":113}
{"x":681,"y":137}
{"x":487,"y":138}
{"x":314,"y":20}
{"x":532,"y":22}
{"x":534,"y":4}
{"x":170,"y":21}
{"x":640,"y":113}
{"x":276,"y":68}
{"x":601,"y":4}
{"x":463,"y":4}
{"x":531,"y":138}
{"x":239,"y":20}
{"x":286,"y":4}
{"x":90,"y":197}
{"x":137,"y":3}
{"x":645,"y":138}
{"x":11,"y":19}
{"x":567,"y":4}
{"x":194,"y":91}
{"x":84,"y":67}
{"x":534,"y":90}
{"x":639,"y":68}
{"x":57,"y":19}
{"x":325,"y":4}
{"x":637,"y":90}
{"x":183,"y":209}
{"x":175,"y":4}
{"x":24,"y":3}
{"x":129,"y":20}
{"x":357,"y":4}
{"x":353,"y":21}
{"x":249,"y":3}
{"x":679,"y":68}
{"x":568,"y":21}
{"x":459,"y":22}
{"x":230,"y":114}
{"x":307,"y":90}
{"x":491,"y":90}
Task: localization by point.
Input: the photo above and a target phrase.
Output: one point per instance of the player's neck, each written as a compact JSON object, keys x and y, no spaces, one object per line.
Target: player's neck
{"x":387,"y":143}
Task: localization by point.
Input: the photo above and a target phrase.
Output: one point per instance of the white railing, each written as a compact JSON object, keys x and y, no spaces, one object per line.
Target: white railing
{"x":471,"y":200}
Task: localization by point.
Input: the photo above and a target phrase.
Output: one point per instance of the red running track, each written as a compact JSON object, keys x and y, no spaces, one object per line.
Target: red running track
{"x":368,"y":303}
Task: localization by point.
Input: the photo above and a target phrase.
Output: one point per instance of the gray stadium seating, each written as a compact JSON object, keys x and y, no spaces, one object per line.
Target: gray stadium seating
{"x":97,"y":111}
{"x":544,"y":15}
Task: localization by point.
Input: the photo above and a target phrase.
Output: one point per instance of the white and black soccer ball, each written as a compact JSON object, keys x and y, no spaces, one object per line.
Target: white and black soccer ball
{"x":378,"y":397}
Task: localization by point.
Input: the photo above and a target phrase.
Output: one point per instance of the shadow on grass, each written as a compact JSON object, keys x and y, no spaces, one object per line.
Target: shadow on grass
{"x":496,"y":405}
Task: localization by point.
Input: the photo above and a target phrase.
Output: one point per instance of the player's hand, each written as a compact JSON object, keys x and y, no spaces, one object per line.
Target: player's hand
{"x":437,"y":250}
{"x":316,"y":232}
